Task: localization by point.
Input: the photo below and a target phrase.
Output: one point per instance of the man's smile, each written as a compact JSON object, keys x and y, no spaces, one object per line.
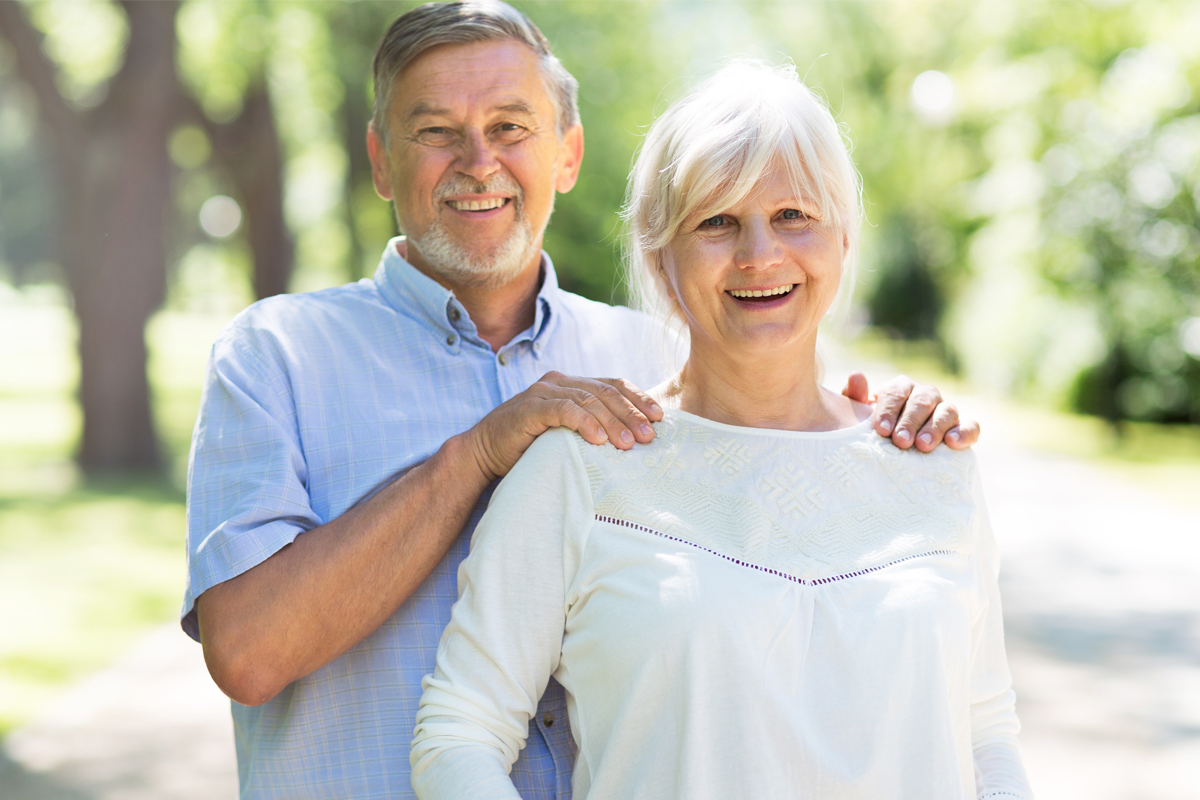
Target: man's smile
{"x":479,"y":204}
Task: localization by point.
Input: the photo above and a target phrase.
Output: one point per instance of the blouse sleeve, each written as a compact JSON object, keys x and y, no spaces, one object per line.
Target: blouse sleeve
{"x":999,"y":771}
{"x":505,"y":634}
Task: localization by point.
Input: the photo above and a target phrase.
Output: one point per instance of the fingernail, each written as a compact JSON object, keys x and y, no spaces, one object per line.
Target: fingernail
{"x":886,"y":425}
{"x":656,"y":408}
{"x":902,"y":436}
{"x":603,"y":435}
{"x":926,"y":438}
{"x":953,"y":436}
{"x":626,"y":437}
{"x":646,"y":430}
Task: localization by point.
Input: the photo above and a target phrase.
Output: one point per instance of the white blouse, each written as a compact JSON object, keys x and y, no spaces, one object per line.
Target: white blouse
{"x":734,"y":613}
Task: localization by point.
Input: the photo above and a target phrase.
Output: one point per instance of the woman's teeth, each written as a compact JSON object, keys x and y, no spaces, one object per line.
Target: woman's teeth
{"x":742,"y":293}
{"x":477,"y":205}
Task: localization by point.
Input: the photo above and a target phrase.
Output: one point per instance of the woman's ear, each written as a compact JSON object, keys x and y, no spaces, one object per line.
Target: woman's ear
{"x":660,"y":275}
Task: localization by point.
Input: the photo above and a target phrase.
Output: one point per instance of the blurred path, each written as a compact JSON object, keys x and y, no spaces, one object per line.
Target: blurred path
{"x":1101,"y":585}
{"x":151,"y":727}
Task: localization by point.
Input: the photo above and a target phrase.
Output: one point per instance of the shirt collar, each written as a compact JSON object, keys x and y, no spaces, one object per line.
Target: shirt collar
{"x":414,"y":294}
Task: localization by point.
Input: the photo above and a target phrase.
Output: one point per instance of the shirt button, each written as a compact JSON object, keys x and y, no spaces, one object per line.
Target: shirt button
{"x":454,"y":315}
{"x":547,"y":719}
{"x":451,"y":339}
{"x":503,"y":359}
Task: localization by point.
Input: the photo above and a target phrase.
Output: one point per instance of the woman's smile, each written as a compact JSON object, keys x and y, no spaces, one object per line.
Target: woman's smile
{"x":761,"y":296}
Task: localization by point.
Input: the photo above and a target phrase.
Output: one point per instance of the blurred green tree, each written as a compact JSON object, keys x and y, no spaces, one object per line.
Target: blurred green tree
{"x":111,"y":175}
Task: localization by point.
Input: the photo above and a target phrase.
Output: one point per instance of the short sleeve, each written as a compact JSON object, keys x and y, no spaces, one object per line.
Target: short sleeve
{"x":247,"y":476}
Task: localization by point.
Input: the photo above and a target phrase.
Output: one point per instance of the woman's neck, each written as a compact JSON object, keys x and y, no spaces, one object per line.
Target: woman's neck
{"x":774,"y":392}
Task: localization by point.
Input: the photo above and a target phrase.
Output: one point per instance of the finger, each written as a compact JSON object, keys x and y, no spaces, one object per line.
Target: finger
{"x":641,"y":401}
{"x":630,"y":410}
{"x":622,"y":400}
{"x":964,"y":435}
{"x":889,"y":402}
{"x":599,"y":400}
{"x":917,"y":411}
{"x":585,"y":394}
{"x":932,"y":433}
{"x":567,"y":412}
{"x":857,"y":389}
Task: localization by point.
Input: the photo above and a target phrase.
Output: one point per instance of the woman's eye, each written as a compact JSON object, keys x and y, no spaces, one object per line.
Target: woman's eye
{"x":715,"y":222}
{"x":792,"y":213}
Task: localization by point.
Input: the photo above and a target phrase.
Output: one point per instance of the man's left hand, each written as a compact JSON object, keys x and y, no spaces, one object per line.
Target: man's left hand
{"x":909,"y":412}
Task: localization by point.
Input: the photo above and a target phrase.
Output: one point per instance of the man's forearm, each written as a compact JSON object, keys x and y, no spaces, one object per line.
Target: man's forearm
{"x":336,"y":584}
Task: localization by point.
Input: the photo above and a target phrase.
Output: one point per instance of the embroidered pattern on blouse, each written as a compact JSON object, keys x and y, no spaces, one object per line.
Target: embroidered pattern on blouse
{"x":727,"y":456}
{"x":794,"y":495}
{"x":808,"y":508}
{"x":768,"y":570}
{"x":843,"y":467}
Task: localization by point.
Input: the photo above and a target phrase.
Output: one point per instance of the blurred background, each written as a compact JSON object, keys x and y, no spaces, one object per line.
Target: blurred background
{"x":1031,"y":176}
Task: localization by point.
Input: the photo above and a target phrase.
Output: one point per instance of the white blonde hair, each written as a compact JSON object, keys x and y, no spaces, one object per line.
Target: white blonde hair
{"x":710,"y":150}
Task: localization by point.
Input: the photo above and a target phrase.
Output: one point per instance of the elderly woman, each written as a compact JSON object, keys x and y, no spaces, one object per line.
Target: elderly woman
{"x":767,"y":601}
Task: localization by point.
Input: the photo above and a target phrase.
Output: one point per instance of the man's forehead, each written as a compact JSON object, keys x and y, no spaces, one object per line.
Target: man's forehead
{"x":479,"y":77}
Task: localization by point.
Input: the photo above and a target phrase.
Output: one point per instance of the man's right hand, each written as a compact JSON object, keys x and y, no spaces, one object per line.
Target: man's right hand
{"x":598,"y":409}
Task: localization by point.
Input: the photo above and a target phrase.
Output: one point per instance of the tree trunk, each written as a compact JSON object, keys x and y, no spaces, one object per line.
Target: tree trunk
{"x":113,"y":186}
{"x":250,"y":150}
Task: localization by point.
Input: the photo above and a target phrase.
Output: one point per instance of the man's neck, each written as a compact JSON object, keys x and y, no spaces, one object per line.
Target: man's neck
{"x":500,"y":313}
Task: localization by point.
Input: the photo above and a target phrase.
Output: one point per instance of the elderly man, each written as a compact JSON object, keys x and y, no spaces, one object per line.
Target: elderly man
{"x":348,"y":438}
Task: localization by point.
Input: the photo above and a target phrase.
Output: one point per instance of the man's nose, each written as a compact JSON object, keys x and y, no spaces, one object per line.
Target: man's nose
{"x":478,"y":158}
{"x":758,"y":245}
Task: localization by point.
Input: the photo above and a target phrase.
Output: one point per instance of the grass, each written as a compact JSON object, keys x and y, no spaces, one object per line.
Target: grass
{"x":83,"y":573}
{"x":86,"y":568}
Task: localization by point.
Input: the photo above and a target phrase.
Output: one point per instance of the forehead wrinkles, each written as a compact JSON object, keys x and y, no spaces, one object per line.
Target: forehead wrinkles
{"x":461,"y":84}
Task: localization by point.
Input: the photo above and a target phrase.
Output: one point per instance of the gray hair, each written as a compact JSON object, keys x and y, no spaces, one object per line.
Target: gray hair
{"x":466,"y":22}
{"x":711,"y":149}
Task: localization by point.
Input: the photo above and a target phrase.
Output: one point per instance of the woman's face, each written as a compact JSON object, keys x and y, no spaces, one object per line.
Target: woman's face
{"x":758,"y":277}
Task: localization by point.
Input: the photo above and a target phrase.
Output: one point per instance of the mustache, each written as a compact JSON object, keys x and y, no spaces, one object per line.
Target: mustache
{"x":500,"y":183}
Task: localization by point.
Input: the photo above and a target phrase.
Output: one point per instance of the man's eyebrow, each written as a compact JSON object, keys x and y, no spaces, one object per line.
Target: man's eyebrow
{"x":424,"y":109}
{"x":517,"y":107}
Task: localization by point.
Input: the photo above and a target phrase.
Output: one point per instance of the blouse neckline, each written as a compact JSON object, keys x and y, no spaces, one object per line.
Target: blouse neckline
{"x":854,"y":430}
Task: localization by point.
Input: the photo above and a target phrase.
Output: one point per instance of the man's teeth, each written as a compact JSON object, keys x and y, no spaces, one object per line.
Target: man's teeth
{"x":477,"y":205}
{"x":762,"y":292}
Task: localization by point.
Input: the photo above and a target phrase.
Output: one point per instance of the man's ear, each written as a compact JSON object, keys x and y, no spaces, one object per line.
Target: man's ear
{"x":570,"y":156}
{"x":377,"y":152}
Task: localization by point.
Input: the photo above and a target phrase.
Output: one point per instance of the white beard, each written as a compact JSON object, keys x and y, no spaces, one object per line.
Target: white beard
{"x":458,"y":265}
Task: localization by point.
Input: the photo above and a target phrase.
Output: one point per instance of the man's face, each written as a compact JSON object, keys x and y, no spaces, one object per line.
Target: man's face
{"x":473,"y":160}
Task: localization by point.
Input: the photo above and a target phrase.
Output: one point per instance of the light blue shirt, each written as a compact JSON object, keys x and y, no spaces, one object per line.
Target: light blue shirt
{"x":311,"y":403}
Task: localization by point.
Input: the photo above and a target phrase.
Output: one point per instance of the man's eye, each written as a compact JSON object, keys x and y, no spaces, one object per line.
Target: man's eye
{"x":509,"y":131}
{"x":435,"y":134}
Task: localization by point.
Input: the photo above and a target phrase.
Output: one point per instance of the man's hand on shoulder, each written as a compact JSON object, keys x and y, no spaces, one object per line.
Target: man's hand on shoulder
{"x":914,"y":413}
{"x":598,"y":409}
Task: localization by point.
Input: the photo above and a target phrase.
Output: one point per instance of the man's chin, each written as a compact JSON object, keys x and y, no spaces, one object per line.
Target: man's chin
{"x":489,"y":268}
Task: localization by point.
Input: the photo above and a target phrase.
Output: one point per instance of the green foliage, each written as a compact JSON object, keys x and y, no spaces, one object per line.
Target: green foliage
{"x":1040,"y":225}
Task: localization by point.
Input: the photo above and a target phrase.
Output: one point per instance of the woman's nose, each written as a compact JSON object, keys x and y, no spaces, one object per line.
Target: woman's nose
{"x":758,"y":246}
{"x":477,"y":159}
